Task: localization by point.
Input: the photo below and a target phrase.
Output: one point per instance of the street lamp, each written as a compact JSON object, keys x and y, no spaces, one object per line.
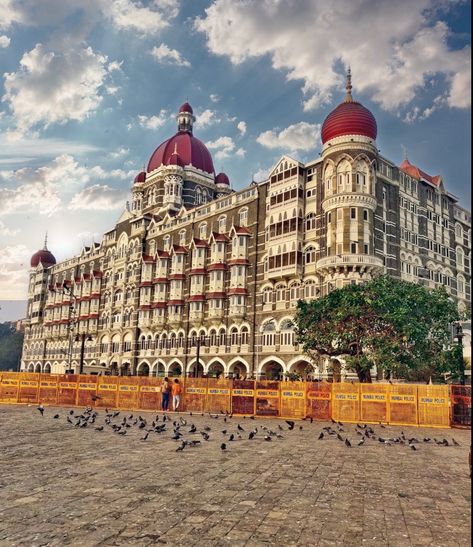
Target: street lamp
{"x":82,"y":337}
{"x":459,"y":336}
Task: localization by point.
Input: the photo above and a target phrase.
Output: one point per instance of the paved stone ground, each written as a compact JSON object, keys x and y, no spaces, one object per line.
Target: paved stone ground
{"x":61,"y":485}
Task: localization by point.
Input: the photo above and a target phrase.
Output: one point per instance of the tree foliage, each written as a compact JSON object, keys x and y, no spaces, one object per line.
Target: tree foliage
{"x":401,"y":327}
{"x":11,"y":342}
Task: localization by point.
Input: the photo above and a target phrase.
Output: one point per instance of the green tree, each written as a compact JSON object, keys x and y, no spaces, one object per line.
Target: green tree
{"x":11,"y":342}
{"x":401,"y":327}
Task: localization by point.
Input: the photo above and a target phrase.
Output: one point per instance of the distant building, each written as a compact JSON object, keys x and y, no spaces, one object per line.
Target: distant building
{"x":193,"y":267}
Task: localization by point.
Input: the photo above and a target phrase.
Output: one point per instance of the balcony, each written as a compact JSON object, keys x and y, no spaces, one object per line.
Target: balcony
{"x":330,"y":264}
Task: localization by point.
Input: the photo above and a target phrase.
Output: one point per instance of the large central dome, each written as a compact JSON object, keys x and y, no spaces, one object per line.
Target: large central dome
{"x":189,"y":149}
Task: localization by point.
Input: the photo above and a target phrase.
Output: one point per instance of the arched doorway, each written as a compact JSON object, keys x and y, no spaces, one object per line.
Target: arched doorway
{"x":31,"y":367}
{"x":303,"y":369}
{"x":272,"y":370}
{"x":195,"y":370}
{"x":143,"y":369}
{"x":158,"y":370}
{"x":175,"y":369}
{"x":125,"y":369}
{"x":238,"y":370}
{"x":37,"y":367}
{"x":114,"y":369}
{"x":216,"y":370}
{"x":47,"y":368}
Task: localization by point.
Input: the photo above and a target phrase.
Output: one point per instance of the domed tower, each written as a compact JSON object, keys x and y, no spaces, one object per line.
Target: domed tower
{"x":137,"y":191}
{"x":223,"y":184}
{"x":349,"y":156}
{"x":40,"y":263}
{"x":180,"y":171}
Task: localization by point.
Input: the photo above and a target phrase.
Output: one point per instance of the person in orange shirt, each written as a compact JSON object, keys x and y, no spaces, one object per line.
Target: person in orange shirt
{"x":176,"y":394}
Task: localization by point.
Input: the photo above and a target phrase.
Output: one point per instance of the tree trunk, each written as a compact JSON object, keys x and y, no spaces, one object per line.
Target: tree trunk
{"x":364,"y":375}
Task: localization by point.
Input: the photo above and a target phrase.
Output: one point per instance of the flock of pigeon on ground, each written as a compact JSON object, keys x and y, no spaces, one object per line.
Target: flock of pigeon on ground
{"x":120,"y":423}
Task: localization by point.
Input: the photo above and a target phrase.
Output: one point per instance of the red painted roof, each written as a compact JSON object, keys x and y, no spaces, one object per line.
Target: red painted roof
{"x":45,"y":257}
{"x":140,"y":177}
{"x":349,"y":118}
{"x":417,"y":173}
{"x":186,"y":107}
{"x":191,"y":151}
{"x":200,"y":242}
{"x":222,"y":178}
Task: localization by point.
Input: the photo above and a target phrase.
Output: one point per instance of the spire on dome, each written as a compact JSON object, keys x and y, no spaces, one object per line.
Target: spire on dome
{"x":45,"y":248}
{"x":348,"y":87}
{"x":404,"y":150}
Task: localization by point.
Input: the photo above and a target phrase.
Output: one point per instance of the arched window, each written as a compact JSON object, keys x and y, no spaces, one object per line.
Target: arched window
{"x":234,"y":336}
{"x":310,"y":221}
{"x":460,"y":258}
{"x":268,"y":295}
{"x":461,"y":286}
{"x":458,"y":231}
{"x":222,"y":224}
{"x":269,"y":331}
{"x":310,"y":289}
{"x":294,"y":292}
{"x":280,"y":293}
{"x":203,"y":231}
{"x":243,"y":217}
{"x":310,"y":255}
{"x":244,"y":335}
{"x":287,"y":333}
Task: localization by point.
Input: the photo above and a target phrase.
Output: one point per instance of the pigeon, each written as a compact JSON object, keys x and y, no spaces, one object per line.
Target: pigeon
{"x":232,"y":437}
{"x":146,"y":436}
{"x":347,"y":443}
{"x":240,"y":428}
{"x":224,"y":431}
{"x":321,"y":436}
{"x":300,"y":428}
{"x":291,"y":424}
{"x":252,"y":417}
{"x":207,"y":428}
{"x":311,"y":420}
{"x":56,"y":416}
{"x":362,"y":442}
{"x":205,"y":435}
{"x":340,"y":423}
{"x":455,"y":442}
{"x":69,"y":420}
{"x":251,"y":435}
{"x":41,"y":409}
{"x":193,"y":429}
{"x":339,"y":437}
{"x":71,"y":412}
{"x":413,"y":447}
{"x":100,"y":428}
{"x":142,"y":425}
{"x":223,"y":446}
{"x":267,"y":438}
{"x":181,"y":448}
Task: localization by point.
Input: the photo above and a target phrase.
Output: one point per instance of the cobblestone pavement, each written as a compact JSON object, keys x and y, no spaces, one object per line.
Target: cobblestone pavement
{"x":61,"y":485}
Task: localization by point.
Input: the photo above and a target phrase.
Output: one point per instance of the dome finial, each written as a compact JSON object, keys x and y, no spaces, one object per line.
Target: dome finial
{"x":348,"y":87}
{"x":45,"y":241}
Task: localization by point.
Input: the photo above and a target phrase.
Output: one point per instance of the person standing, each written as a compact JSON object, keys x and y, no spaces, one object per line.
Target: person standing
{"x":166,"y":392}
{"x":176,"y":394}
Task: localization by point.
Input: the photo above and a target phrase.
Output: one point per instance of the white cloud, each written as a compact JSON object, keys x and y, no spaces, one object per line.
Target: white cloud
{"x":261,"y":175}
{"x":242,"y":127}
{"x":206,"y":118}
{"x":153,"y":122}
{"x":54,"y":87}
{"x":167,"y":56}
{"x":9,"y":14}
{"x":41,"y":190}
{"x":4,"y":41}
{"x":99,"y":197}
{"x":214,"y":97}
{"x":392,"y":47}
{"x":6,"y":231}
{"x":122,"y":151}
{"x":132,"y":15}
{"x":224,"y":146}
{"x":299,"y":136}
{"x":14,"y":266}
{"x":241,"y":152}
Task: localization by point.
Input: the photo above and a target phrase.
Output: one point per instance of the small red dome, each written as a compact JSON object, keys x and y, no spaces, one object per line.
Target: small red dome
{"x":222,"y":178}
{"x":349,"y":118}
{"x":45,"y":257}
{"x":140,"y":177}
{"x":186,"y":107}
{"x":191,"y":151}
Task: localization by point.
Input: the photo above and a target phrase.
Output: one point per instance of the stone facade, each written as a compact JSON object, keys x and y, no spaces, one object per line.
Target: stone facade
{"x":198,"y":279}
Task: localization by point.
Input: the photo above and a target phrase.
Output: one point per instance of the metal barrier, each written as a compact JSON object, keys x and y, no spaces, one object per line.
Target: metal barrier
{"x":397,"y":404}
{"x":433,"y":406}
{"x":319,"y":400}
{"x":460,"y":397}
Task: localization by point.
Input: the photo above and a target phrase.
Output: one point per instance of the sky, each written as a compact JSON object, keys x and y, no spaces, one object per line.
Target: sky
{"x":89,"y":89}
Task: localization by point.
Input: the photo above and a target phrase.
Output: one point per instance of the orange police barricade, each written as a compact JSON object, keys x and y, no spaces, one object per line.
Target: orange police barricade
{"x":29,"y":387}
{"x":128,"y":390}
{"x":319,"y":400}
{"x":243,"y":397}
{"x":402,"y":408}
{"x":86,"y":390}
{"x":48,"y":389}
{"x":107,"y":389}
{"x":218,"y":395}
{"x":267,"y":398}
{"x":194,"y":394}
{"x":433,"y":405}
{"x":67,"y":389}
{"x":374,"y":403}
{"x":149,"y":397}
{"x":345,"y":402}
{"x":460,"y":397}
{"x":293,"y":399}
{"x":9,"y":387}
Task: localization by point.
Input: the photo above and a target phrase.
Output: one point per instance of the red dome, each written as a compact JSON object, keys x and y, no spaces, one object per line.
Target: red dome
{"x":349,"y":118}
{"x":140,"y":177}
{"x":222,"y":178}
{"x":191,"y":151}
{"x":175,"y":159}
{"x":186,"y":107}
{"x":45,"y":257}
